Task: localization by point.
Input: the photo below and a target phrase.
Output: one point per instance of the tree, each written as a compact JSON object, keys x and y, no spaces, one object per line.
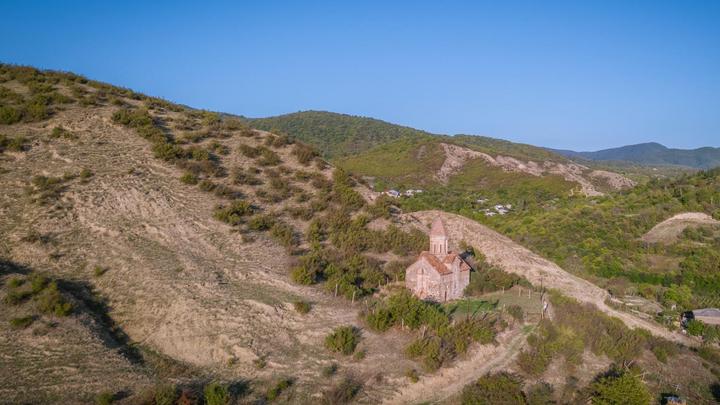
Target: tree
{"x":624,"y":388}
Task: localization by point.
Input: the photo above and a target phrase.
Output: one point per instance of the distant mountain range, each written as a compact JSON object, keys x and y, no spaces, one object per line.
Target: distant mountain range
{"x":652,"y":153}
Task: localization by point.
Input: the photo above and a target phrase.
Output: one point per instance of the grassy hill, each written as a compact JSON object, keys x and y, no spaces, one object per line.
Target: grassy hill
{"x":653,"y":154}
{"x":337,"y":135}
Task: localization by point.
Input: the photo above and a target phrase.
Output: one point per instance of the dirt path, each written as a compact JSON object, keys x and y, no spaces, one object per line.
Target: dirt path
{"x":447,"y":383}
{"x":668,"y":230}
{"x":510,"y":256}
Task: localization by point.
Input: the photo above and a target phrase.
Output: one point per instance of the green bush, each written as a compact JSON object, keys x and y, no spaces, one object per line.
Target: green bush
{"x":501,"y":388}
{"x":249,"y":151}
{"x":620,"y":387}
{"x":216,"y":394}
{"x":540,"y":394}
{"x":60,"y":132}
{"x":487,"y":278}
{"x":516,"y":312}
{"x":268,"y":158}
{"x":330,"y":370}
{"x":165,"y":395}
{"x":304,"y":153}
{"x":189,"y":178}
{"x":284,"y":234}
{"x":51,"y":301}
{"x":104,"y":398}
{"x":9,"y":115}
{"x":86,"y":173}
{"x":695,"y":327}
{"x":240,"y":176}
{"x":278,"y":388}
{"x":15,"y":144}
{"x":342,"y":393}
{"x":412,"y":375}
{"x":234,"y":213}
{"x":261,"y":222}
{"x":22,"y":322}
{"x":99,"y":271}
{"x":302,"y":307}
{"x":343,"y":340}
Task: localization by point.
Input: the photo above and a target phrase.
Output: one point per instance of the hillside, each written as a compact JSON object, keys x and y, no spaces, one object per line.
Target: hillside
{"x":151,"y":251}
{"x":652,"y":154}
{"x":392,"y":156}
{"x":337,"y":135}
{"x":166,"y":236}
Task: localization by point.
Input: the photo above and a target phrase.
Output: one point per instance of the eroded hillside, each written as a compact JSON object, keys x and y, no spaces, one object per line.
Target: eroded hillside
{"x":184,"y":224}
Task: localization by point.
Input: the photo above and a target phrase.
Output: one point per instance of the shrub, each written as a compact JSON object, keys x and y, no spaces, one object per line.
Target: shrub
{"x":216,"y":394}
{"x":15,"y":282}
{"x":104,"y":398}
{"x":240,"y":176}
{"x":278,"y":389}
{"x":304,"y":153}
{"x":488,"y":278}
{"x":260,"y":363}
{"x":359,"y":355}
{"x":261,"y":222}
{"x":695,"y":327}
{"x":249,"y":151}
{"x":86,"y":173}
{"x":165,"y":395}
{"x":540,"y":394}
{"x":168,"y":152}
{"x":516,"y":312}
{"x":343,"y":340}
{"x":15,"y":144}
{"x":9,"y":115}
{"x":330,"y":370}
{"x":189,"y":178}
{"x":620,"y":387}
{"x":22,"y":322}
{"x":207,"y":185}
{"x":499,"y":388}
{"x":99,"y":271}
{"x":224,"y":191}
{"x":60,"y":132}
{"x":302,"y":307}
{"x":284,"y":234}
{"x":412,"y":375}
{"x":233,"y":214}
{"x":268,"y":158}
{"x":51,"y":301}
{"x":342,"y":393}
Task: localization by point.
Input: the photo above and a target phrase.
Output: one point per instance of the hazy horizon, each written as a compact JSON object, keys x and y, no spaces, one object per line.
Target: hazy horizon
{"x":567,"y":76}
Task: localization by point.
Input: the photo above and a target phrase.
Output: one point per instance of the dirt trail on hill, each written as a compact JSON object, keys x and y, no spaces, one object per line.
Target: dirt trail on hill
{"x":668,"y":230}
{"x":448,"y":382}
{"x":510,"y":256}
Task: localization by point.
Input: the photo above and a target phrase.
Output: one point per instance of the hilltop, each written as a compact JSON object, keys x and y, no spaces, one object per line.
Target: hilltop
{"x":652,"y":153}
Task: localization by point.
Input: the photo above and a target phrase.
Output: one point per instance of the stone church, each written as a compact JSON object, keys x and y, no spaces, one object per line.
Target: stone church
{"x":438,"y":274}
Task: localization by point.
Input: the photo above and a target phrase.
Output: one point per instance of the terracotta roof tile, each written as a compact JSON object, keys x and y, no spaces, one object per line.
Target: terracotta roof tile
{"x":443,"y":266}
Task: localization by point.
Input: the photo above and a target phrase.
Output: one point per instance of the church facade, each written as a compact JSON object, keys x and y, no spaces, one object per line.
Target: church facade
{"x":438,"y":274}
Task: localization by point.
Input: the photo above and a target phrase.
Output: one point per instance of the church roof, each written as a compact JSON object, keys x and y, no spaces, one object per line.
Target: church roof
{"x":437,"y":228}
{"x":443,"y":265}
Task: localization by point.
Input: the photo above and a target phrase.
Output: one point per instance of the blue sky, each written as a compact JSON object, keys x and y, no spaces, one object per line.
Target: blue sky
{"x":581,"y":75}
